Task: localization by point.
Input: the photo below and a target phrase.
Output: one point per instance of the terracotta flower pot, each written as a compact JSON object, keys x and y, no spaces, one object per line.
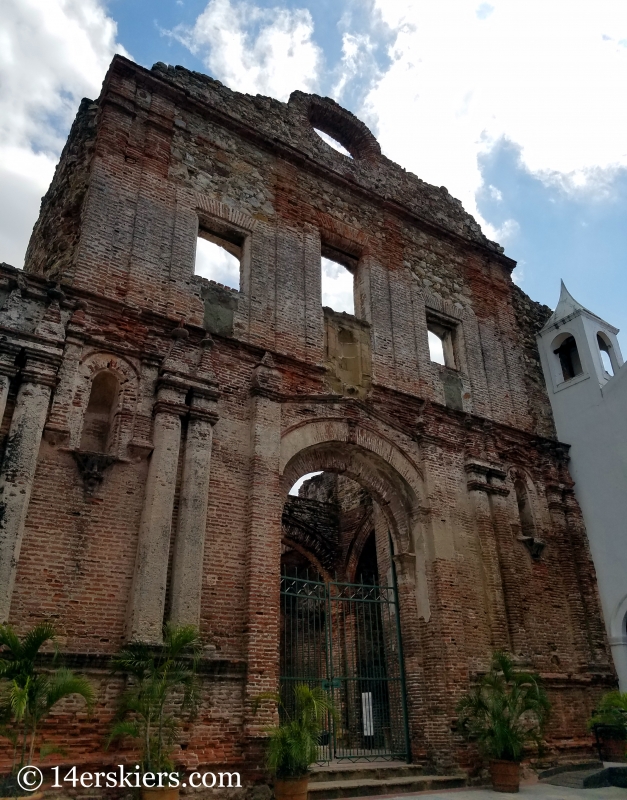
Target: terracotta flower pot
{"x":163,"y":793}
{"x":613,"y":749}
{"x":291,"y":789}
{"x":505,"y":776}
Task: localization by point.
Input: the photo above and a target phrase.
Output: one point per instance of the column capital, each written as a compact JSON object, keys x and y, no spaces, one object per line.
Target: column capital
{"x":41,"y":368}
{"x":207,"y":414}
{"x":266,"y":378}
{"x":485,"y":476}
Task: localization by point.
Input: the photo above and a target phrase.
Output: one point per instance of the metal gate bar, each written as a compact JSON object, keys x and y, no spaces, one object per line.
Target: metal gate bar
{"x":345,"y":638}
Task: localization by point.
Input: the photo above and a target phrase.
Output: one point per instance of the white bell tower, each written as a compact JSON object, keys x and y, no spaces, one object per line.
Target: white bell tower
{"x":586,"y":381}
{"x":578,"y":346}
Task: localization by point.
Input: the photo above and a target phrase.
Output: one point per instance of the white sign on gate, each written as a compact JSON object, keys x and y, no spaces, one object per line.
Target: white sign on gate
{"x":366,"y":710}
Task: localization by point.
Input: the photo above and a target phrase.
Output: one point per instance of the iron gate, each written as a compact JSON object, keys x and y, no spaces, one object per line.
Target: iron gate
{"x":345,"y":638}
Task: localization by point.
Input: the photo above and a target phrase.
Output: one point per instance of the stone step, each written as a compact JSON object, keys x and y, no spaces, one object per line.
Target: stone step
{"x":365,"y":770}
{"x":367,"y":787}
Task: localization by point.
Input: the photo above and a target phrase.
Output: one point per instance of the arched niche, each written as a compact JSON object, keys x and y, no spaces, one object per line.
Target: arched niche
{"x":525,"y":512}
{"x":98,"y":420}
{"x":104,"y":380}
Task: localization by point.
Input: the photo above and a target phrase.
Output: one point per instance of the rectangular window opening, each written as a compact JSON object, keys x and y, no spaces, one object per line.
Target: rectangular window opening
{"x":338,"y":282}
{"x":218,"y":258}
{"x":441,"y":343}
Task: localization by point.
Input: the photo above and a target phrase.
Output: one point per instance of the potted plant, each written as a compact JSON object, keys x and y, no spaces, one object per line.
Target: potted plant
{"x":506,"y":710}
{"x":609,"y":724}
{"x":293,"y":743}
{"x":163,"y":687}
{"x":28,"y":693}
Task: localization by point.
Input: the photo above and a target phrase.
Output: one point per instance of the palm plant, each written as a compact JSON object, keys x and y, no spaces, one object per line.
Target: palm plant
{"x":505,"y":711}
{"x":610,"y":717}
{"x":27,"y":693}
{"x":162,"y":679}
{"x":293,"y":743}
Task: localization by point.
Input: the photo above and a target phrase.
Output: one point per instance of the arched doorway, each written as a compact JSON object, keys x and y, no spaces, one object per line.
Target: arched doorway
{"x":343,"y":540}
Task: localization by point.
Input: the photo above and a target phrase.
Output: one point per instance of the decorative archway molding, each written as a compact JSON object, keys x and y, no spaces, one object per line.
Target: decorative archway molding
{"x":332,"y":429}
{"x":372,"y":460}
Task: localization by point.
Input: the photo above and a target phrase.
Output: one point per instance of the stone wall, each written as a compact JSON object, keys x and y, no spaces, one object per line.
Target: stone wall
{"x":531,"y":318}
{"x":225,"y":398}
{"x":52,"y":249}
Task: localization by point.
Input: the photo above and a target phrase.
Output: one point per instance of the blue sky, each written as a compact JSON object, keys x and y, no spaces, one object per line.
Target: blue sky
{"x":517,"y":106}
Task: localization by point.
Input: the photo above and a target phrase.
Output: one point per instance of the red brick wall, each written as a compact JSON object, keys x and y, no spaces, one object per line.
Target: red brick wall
{"x":170,"y":147}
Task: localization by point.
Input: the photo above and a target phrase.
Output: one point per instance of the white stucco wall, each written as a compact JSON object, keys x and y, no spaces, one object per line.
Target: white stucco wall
{"x":590,"y":413}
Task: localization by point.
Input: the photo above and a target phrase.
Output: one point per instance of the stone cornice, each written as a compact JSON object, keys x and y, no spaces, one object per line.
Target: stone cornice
{"x":203,"y":413}
{"x":31,"y":342}
{"x":171,"y":408}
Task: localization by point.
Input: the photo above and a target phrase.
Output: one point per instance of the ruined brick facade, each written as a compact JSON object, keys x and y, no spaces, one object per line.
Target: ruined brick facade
{"x":162,"y":496}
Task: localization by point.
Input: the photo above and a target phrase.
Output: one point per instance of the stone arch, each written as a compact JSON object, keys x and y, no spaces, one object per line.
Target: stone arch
{"x":329,"y":117}
{"x":393,"y":480}
{"x":99,"y":412}
{"x":215,"y":208}
{"x":396,"y":485}
{"x":618,"y":639}
{"x":361,"y":454}
{"x":527,"y":513}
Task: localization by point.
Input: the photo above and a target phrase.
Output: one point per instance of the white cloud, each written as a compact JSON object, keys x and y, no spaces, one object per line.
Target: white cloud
{"x":214,"y":263}
{"x":358,"y":62}
{"x":52,"y":53}
{"x":542,"y":75}
{"x":519,"y":274}
{"x":254,"y":50}
{"x":507,"y":231}
{"x":337,"y":287}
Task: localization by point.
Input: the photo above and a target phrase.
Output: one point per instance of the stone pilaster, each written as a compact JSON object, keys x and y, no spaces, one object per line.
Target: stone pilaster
{"x":147,"y":605}
{"x":58,"y":425}
{"x":264,"y":541}
{"x":507,"y":617}
{"x":569,"y":574}
{"x":489,"y":563}
{"x":18,"y":470}
{"x":187,"y":569}
{"x":7,"y":371}
{"x":510,"y":568}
